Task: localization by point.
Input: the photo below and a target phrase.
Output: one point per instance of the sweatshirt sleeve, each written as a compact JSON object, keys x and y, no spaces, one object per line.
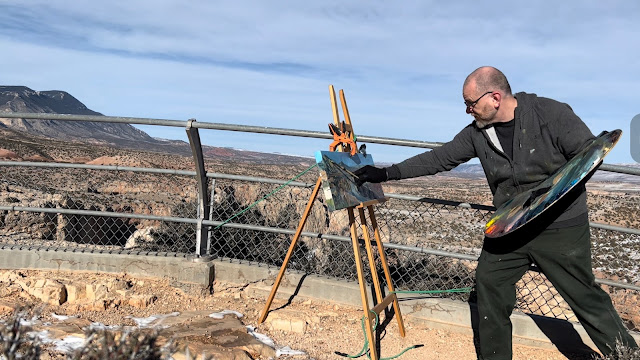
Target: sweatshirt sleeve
{"x":443,"y":158}
{"x":572,"y":134}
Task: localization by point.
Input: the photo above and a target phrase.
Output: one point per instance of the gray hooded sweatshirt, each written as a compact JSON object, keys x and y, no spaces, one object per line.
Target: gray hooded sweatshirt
{"x":547,"y":133}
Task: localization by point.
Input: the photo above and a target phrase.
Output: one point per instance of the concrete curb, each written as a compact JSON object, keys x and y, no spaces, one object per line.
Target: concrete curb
{"x":445,"y":314}
{"x":175,"y":268}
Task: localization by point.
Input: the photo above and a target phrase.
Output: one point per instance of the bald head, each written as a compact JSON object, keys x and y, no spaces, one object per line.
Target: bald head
{"x":488,"y":78}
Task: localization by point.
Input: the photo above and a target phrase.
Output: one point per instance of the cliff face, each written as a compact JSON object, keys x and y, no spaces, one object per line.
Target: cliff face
{"x":22,"y":99}
{"x":28,"y":137}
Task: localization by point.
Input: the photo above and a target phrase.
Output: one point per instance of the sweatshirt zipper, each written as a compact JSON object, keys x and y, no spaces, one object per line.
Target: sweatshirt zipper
{"x":513,"y":171}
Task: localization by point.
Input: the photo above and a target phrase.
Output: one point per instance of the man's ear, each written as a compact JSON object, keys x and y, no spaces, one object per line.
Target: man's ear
{"x":497,"y":98}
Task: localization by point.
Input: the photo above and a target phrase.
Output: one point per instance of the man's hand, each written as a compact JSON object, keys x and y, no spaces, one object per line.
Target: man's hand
{"x":370,"y":174}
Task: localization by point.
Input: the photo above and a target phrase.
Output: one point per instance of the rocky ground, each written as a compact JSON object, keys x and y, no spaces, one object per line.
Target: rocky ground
{"x":221,"y":322}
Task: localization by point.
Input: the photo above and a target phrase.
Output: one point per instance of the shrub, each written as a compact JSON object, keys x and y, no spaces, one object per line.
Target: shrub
{"x":16,"y":342}
{"x":623,"y":352}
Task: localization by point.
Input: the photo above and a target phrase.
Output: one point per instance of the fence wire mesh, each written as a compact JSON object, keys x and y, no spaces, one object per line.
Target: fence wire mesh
{"x":411,"y":224}
{"x":122,"y":192}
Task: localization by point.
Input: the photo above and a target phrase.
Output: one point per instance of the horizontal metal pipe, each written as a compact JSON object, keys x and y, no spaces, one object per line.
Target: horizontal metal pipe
{"x":94,"y":250}
{"x":98,"y":213}
{"x":430,"y":251}
{"x":618,"y":284}
{"x":441,"y":202}
{"x":601,"y":281}
{"x":97,"y":167}
{"x":258,"y":179}
{"x":216,"y":126}
{"x":620,"y":169}
{"x":614,"y":228}
{"x":151,"y":170}
{"x":97,"y":118}
{"x":275,"y":230}
{"x":313,"y":134}
{"x":259,"y":130}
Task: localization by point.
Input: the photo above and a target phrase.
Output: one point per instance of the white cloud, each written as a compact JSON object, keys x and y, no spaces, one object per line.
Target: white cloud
{"x":269,"y":63}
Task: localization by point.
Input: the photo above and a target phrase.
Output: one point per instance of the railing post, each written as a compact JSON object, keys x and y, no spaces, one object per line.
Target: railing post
{"x":201,"y":176}
{"x":211,"y":201}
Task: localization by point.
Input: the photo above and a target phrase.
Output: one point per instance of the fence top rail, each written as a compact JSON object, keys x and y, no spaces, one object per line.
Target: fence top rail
{"x":215,"y":126}
{"x":259,"y":130}
{"x":96,"y":118}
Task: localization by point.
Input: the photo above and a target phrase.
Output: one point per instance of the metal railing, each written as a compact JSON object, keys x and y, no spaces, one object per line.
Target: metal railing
{"x":430,"y":243}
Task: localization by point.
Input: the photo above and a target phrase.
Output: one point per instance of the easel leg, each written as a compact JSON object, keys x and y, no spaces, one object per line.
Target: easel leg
{"x":363,"y":285}
{"x":303,"y":220}
{"x":372,"y":260}
{"x":385,"y":267}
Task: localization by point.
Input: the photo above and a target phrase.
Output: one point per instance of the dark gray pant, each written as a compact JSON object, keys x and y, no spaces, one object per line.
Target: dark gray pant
{"x":564,"y":256}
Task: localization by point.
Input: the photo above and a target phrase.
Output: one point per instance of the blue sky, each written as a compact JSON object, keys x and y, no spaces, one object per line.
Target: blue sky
{"x":269,"y":63}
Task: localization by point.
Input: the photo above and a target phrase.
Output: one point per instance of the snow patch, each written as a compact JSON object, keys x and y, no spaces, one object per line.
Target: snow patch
{"x":65,"y":345}
{"x":288,"y":351}
{"x":68,"y":344}
{"x":280,"y":351}
{"x":220,"y":315}
{"x":145,"y":322}
{"x":60,"y":317}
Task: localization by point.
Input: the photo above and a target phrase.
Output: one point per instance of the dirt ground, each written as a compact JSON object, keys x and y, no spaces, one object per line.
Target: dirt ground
{"x":330,"y":328}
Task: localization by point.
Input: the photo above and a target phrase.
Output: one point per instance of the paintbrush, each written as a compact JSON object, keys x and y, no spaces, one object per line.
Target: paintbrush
{"x":347,"y":171}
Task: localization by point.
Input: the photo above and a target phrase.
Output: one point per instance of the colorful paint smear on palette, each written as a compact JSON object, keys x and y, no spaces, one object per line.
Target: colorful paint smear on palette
{"x":526,"y":206}
{"x":338,"y":181}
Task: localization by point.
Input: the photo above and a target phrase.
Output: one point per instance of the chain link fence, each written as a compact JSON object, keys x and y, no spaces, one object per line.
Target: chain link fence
{"x":72,"y":196}
{"x":430,"y":244}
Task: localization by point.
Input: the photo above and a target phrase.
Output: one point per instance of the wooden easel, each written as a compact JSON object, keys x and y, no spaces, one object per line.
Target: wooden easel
{"x":381,"y":303}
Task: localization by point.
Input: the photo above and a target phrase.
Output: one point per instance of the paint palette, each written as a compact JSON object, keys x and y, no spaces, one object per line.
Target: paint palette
{"x":338,"y":181}
{"x":526,"y":206}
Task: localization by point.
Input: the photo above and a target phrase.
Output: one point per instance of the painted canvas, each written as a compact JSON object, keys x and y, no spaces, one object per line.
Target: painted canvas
{"x":338,"y":181}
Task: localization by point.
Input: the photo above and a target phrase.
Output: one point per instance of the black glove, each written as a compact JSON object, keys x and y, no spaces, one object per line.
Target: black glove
{"x":370,"y":174}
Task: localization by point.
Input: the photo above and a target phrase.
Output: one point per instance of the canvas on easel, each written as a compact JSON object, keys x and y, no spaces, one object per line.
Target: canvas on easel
{"x":338,"y":181}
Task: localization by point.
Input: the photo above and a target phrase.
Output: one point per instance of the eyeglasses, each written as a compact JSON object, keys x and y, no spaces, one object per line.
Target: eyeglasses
{"x":471,"y":104}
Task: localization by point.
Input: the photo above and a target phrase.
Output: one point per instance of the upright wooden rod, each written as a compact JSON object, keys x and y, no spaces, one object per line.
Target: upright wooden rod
{"x":385,"y":268}
{"x":334,"y":106}
{"x":370,"y":255}
{"x":345,"y":111}
{"x":363,"y":284}
{"x":283,"y":268}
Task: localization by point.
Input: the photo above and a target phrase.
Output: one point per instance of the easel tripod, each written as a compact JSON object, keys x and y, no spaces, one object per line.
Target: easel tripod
{"x":344,"y":137}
